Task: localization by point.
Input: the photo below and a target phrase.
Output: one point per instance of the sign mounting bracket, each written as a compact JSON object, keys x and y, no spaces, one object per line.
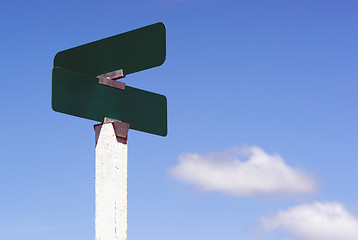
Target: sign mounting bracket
{"x":120,"y":129}
{"x":109,"y":79}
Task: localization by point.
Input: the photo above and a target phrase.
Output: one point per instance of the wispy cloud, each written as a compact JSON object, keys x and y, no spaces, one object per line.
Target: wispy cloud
{"x":317,"y":221}
{"x":260,"y":174}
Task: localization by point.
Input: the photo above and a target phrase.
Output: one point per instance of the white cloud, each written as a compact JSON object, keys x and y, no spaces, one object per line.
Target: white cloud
{"x":317,"y":221}
{"x":260,"y":174}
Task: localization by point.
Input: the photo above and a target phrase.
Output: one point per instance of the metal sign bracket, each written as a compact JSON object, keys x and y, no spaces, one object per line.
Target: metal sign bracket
{"x":109,"y":79}
{"x":120,"y":129}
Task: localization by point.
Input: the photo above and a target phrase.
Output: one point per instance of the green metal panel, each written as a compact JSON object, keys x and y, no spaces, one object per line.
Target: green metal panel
{"x":132,"y":51}
{"x":81,"y":95}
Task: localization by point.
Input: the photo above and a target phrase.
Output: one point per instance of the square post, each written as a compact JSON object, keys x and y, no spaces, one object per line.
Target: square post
{"x":111,"y":182}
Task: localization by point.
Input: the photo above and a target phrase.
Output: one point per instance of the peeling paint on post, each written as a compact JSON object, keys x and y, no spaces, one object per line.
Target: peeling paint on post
{"x":111,"y":185}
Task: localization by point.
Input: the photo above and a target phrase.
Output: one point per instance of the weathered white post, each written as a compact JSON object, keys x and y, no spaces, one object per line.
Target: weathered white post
{"x":111,"y":180}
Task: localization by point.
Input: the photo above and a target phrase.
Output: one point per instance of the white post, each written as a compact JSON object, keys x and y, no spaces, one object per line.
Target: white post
{"x":110,"y":184}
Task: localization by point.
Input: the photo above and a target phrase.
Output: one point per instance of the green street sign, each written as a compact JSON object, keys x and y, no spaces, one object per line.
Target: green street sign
{"x":132,"y":51}
{"x":78,"y":89}
{"x":80,"y":95}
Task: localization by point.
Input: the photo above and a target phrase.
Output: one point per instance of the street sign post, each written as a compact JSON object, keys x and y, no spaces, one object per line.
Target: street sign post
{"x":84,"y":85}
{"x":76,"y":88}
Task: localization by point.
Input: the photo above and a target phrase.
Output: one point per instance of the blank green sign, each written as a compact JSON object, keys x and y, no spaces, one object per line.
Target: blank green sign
{"x":132,"y":51}
{"x":76,"y":90}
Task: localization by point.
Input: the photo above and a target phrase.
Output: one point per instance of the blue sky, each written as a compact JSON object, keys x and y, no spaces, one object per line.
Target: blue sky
{"x":260,"y":92}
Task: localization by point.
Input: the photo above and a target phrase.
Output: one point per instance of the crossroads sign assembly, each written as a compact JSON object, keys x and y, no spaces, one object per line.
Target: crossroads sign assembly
{"x":84,"y":84}
{"x":76,"y":89}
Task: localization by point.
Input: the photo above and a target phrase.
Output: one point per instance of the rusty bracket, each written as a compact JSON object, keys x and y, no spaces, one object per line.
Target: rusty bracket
{"x":120,"y":129}
{"x":109,"y":79}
